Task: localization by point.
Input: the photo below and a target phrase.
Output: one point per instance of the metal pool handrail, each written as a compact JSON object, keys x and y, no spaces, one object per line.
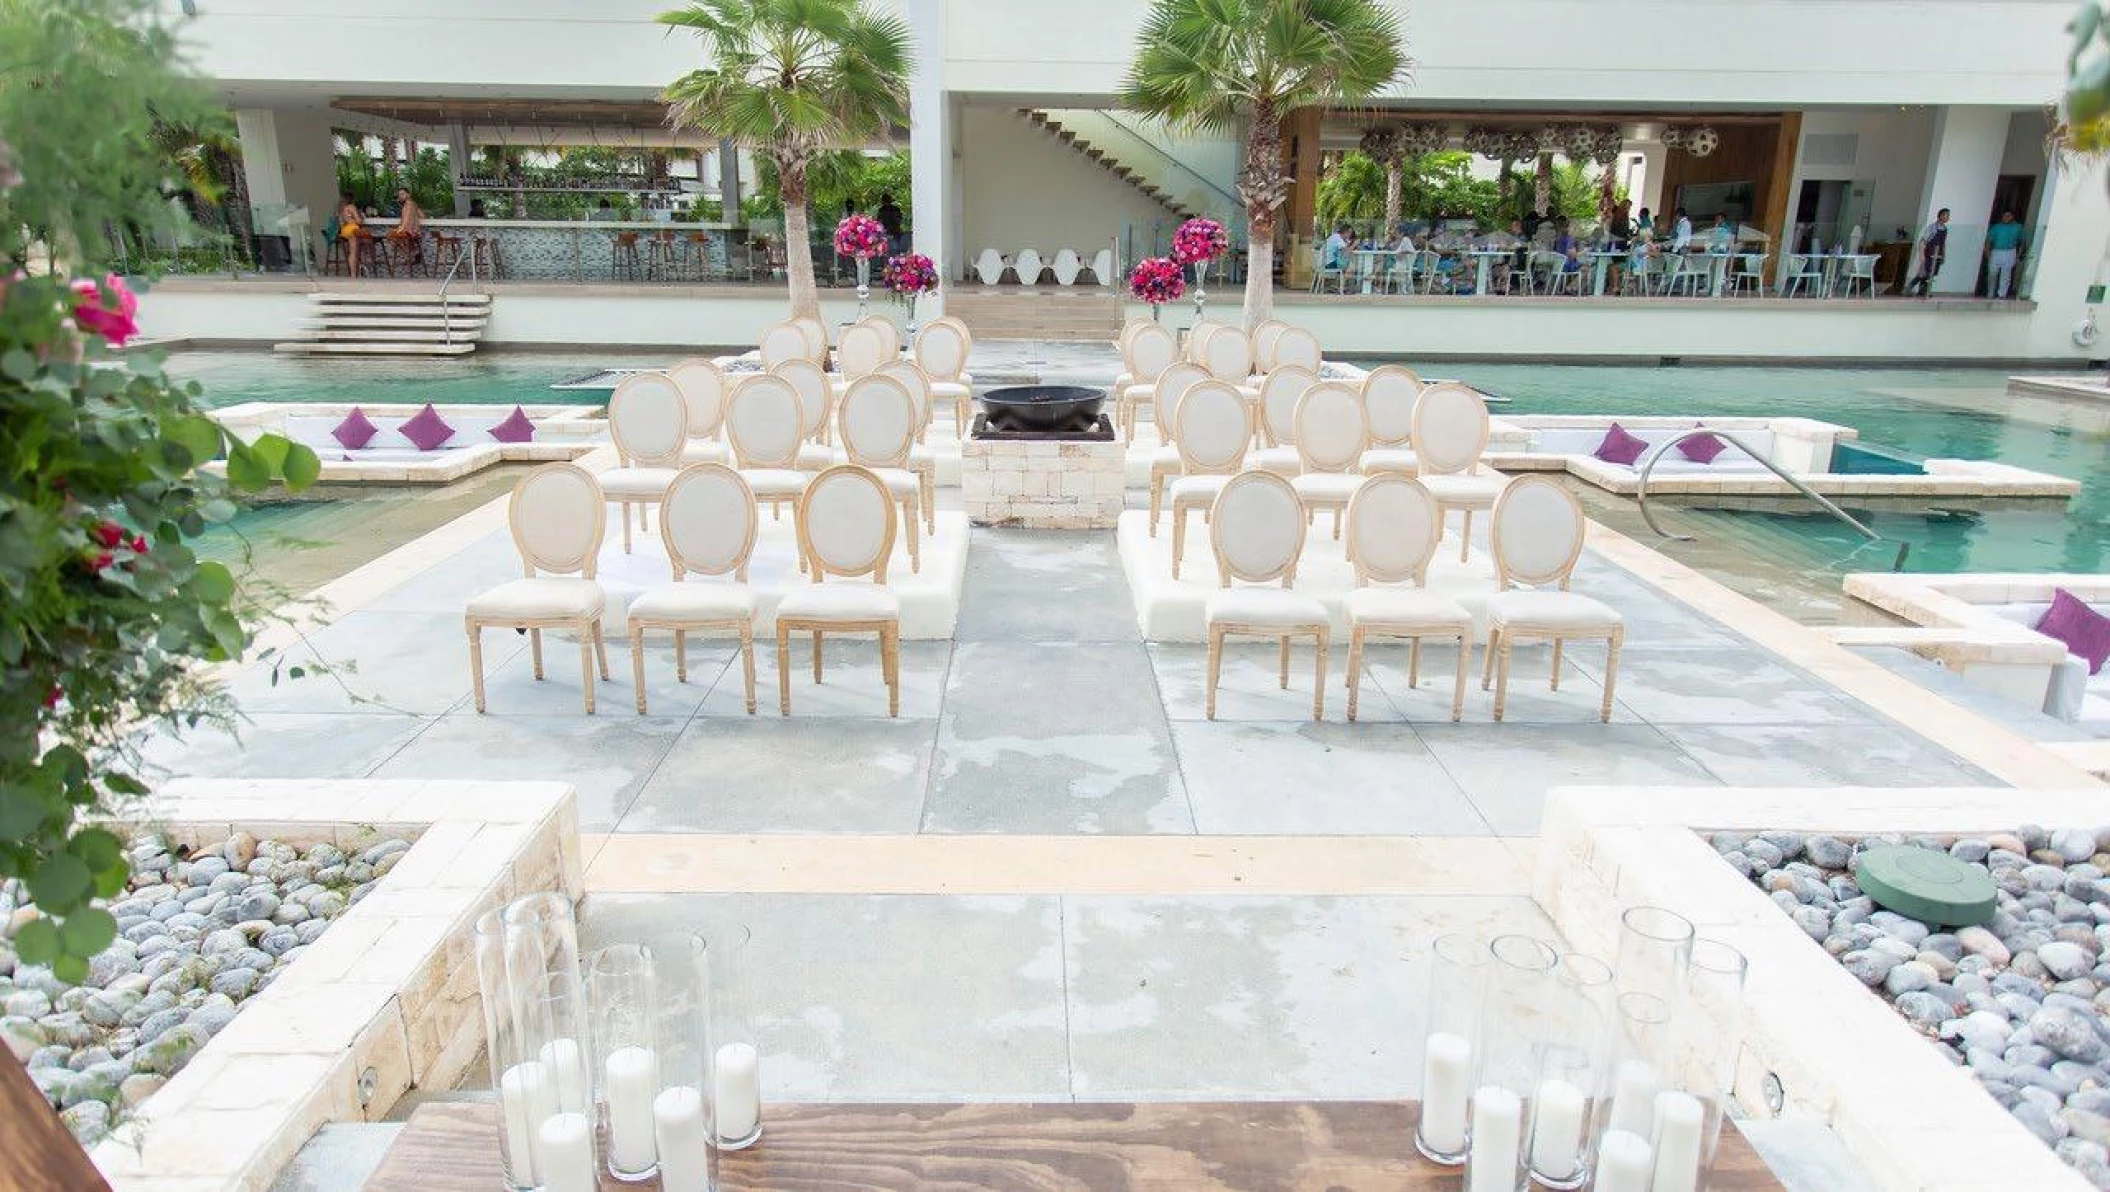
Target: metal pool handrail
{"x":446,"y":316}
{"x":1648,"y":465}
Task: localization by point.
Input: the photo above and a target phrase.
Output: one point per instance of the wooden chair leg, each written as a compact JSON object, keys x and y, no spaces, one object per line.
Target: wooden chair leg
{"x":626,"y":527}
{"x":637,"y":665}
{"x":1465,"y":659}
{"x":1502,"y":677}
{"x":1611,"y":674}
{"x":816,"y":655}
{"x":1556,"y":664}
{"x":1318,"y":680}
{"x":1284,"y":659}
{"x":1494,"y":641}
{"x":1157,"y":497}
{"x":1414,"y":663}
{"x":1355,"y":668}
{"x":535,"y":651}
{"x":914,"y":518}
{"x":747,"y":664}
{"x":681,"y":656}
{"x":783,"y":670}
{"x":1337,"y":510}
{"x":1465,"y":538}
{"x":1216,"y":658}
{"x":890,"y":664}
{"x":586,"y":666}
{"x":1179,"y":536}
{"x":476,"y":662}
{"x":930,"y":501}
{"x":600,"y":652}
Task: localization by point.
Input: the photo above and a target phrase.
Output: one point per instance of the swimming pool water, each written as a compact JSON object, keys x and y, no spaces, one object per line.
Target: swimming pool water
{"x":231,"y":378}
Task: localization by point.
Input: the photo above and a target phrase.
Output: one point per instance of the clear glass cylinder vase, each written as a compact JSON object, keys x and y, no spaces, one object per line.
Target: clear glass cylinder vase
{"x":681,"y":1110}
{"x":1707,"y":1033}
{"x":1458,"y":967}
{"x":736,"y":1052}
{"x":564,"y":1142}
{"x":624,"y":990}
{"x":1572,"y":1072}
{"x":526,"y":1092}
{"x":1515,"y":1027}
{"x":1624,"y":1124}
{"x":1655,"y":948}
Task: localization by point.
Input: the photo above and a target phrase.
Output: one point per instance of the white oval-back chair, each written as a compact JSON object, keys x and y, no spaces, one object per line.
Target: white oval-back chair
{"x":1028,"y":266}
{"x":703,"y":388}
{"x":648,"y":417}
{"x":1331,"y":435}
{"x":1536,"y":534}
{"x":1066,"y":266}
{"x":1214,"y":428}
{"x":1257,"y":530}
{"x":816,"y":411}
{"x":861,"y":349}
{"x":1264,"y":338}
{"x":1390,"y":393}
{"x":764,"y":425}
{"x":1197,"y":336}
{"x":557,"y":515}
{"x":877,"y":422}
{"x":1103,"y":267}
{"x":1149,"y":351}
{"x":1280,"y":391}
{"x":989,"y":266}
{"x":1178,"y":377}
{"x":942,"y":349}
{"x":1394,"y":526}
{"x":708,"y":524}
{"x":785,"y":341}
{"x":1449,"y":434}
{"x":1298,"y":346}
{"x":921,"y":459}
{"x":846,"y":529}
{"x":888,"y":332}
{"x":816,"y":338}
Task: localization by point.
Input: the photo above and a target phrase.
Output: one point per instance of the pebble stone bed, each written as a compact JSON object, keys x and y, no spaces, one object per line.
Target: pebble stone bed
{"x":2023,"y":1001}
{"x":198,"y":934}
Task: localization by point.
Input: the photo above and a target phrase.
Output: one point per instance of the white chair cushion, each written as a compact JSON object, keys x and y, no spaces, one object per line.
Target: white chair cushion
{"x":1270,"y":607}
{"x":1404,"y":607}
{"x":694,"y":602}
{"x":1564,"y":611}
{"x":1390,"y":459}
{"x":1203,"y":489}
{"x":705,"y":451}
{"x":636,"y":482}
{"x":899,"y":481}
{"x":816,"y":456}
{"x":1328,"y":487}
{"x":950,"y":390}
{"x":1282,"y":461}
{"x":1455,"y":489}
{"x":776,"y":482}
{"x":840,"y":602}
{"x":1140,"y":392}
{"x":544,"y":598}
{"x":1166,"y":460}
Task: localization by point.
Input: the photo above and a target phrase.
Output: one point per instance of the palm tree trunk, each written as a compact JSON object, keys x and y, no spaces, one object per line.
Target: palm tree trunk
{"x":1392,"y":172}
{"x":1262,"y":186}
{"x":798,"y":240}
{"x":1542,"y":190}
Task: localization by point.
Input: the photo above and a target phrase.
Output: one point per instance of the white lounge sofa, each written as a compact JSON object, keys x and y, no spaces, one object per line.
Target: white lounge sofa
{"x":561,"y":433}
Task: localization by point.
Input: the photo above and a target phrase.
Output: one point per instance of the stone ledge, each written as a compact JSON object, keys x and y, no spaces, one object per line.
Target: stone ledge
{"x":390,"y":989}
{"x":1841,"y":1055}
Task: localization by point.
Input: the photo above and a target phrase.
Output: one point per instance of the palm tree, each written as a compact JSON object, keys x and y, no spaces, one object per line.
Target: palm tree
{"x":1204,"y":65}
{"x":788,"y":79}
{"x":1388,"y":148}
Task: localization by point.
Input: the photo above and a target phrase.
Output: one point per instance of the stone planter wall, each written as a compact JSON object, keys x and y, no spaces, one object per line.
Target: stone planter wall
{"x":1052,"y":485}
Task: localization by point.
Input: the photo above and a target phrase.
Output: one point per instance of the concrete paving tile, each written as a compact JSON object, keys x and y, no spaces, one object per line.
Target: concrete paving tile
{"x":281,"y":745}
{"x":1045,"y":586}
{"x":1715,"y":685}
{"x":851,"y":679}
{"x":1230,"y":997}
{"x":1506,"y":769}
{"x":1333,"y":779}
{"x":448,"y":585}
{"x":1867,"y":754}
{"x":880,"y":997}
{"x":769,"y":774}
{"x":1530,"y":700}
{"x":606,"y":757}
{"x":1054,"y":738}
{"x":512,"y":690}
{"x":379,"y":663}
{"x":1250,"y":687}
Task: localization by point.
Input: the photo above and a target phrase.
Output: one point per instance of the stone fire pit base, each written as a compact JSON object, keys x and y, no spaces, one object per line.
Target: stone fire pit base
{"x":1047,"y":484}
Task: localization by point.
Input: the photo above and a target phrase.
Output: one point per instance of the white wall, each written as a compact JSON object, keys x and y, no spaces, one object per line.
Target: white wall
{"x":1186,"y":167}
{"x":1023,"y":188}
{"x":1891,"y":157}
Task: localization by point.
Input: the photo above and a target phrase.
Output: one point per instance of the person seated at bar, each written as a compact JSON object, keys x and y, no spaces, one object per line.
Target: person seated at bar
{"x":1681,"y":232}
{"x":409,"y":232}
{"x":1721,"y":238}
{"x":350,"y":225}
{"x":1645,"y":224}
{"x":1335,"y":253}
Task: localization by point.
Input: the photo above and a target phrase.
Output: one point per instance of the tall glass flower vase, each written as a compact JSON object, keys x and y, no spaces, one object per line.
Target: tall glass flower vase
{"x":526,"y":1088}
{"x":1624,"y":1124}
{"x":1514,"y":1031}
{"x":1706,"y":1034}
{"x":1201,"y":274}
{"x":736,"y":1054}
{"x":1655,"y":947}
{"x":864,"y":285}
{"x":681,"y":1111}
{"x":908,"y":302}
{"x":625,"y":994}
{"x":1457,"y":980}
{"x":1571,"y":1071}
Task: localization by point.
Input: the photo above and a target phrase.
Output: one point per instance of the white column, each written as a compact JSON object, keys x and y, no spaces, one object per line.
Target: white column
{"x":289,"y":162}
{"x":930,"y":144}
{"x":1962,"y":166}
{"x":458,"y":165}
{"x":729,"y":181}
{"x":1650,"y":193}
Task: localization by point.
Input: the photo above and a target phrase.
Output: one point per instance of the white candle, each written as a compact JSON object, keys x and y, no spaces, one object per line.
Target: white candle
{"x":568,"y":1063}
{"x":679,"y":1130}
{"x":1679,"y":1117}
{"x":1556,"y":1129}
{"x":1498,"y":1128}
{"x":1634,"y":1089}
{"x":633,"y":1080}
{"x":526,"y":1096}
{"x":564,"y":1153}
{"x":1444,"y":1089}
{"x":736,"y":1079}
{"x":1622,"y":1162}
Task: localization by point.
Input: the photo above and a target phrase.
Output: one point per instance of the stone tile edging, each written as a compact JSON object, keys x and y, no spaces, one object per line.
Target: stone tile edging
{"x":385,"y":1001}
{"x":1915,"y":1122}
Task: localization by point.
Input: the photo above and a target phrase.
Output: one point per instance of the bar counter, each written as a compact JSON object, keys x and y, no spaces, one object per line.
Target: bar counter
{"x":585,"y":250}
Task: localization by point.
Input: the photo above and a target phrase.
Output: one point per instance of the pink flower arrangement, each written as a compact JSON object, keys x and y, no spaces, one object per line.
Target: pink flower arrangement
{"x":860,"y":236}
{"x":1199,"y":240}
{"x":909,"y":274}
{"x":1157,"y":280}
{"x":106,"y":310}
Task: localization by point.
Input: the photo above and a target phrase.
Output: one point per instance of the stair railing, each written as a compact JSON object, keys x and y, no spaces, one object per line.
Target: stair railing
{"x":1230,"y":201}
{"x":1648,"y":465}
{"x":446,"y":314}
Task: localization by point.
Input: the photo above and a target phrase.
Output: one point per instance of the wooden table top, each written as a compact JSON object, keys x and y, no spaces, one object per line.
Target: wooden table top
{"x":1250,"y":1146}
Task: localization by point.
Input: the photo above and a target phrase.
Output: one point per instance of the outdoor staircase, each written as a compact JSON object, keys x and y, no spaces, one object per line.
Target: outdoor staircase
{"x":391,"y":323}
{"x":1074,"y":315}
{"x":1105,"y":161}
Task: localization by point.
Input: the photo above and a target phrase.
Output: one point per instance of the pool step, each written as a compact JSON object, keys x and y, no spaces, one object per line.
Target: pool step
{"x":391,"y":323}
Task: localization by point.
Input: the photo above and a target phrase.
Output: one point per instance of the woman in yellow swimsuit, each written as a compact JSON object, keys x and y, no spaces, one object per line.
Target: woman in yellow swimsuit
{"x":348,"y":228}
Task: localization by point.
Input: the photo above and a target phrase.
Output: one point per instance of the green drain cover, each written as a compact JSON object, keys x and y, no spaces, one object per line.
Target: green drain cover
{"x":1926,"y":885}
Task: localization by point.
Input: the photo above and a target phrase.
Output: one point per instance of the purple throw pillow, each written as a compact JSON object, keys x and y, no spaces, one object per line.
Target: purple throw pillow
{"x":427,"y":430}
{"x":1619,"y":447}
{"x":517,"y":428}
{"x":1701,"y":449}
{"x":356,"y":430}
{"x":2085,"y":632}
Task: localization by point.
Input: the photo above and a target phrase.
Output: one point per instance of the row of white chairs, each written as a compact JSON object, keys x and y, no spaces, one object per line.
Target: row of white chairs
{"x":846,"y":529}
{"x":941,"y":351}
{"x":1257,"y":523}
{"x":1027,"y":266}
{"x":1223,"y":352}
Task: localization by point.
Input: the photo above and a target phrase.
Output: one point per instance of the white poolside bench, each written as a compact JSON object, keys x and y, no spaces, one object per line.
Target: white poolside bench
{"x":561,"y":433}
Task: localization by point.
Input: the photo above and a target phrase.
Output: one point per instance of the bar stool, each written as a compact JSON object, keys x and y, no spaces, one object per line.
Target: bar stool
{"x":698,"y":252}
{"x":446,"y":250}
{"x":335,"y":259}
{"x":484,"y":255}
{"x":626,"y":261}
{"x":662,"y":256}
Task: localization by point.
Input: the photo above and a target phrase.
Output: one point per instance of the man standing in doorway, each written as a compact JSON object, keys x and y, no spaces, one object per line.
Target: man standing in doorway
{"x":2003,"y":242}
{"x":1934,"y":246}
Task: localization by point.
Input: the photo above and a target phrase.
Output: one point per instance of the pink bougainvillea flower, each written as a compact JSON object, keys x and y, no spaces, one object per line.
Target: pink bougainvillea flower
{"x":109,"y":533}
{"x":101,"y":562}
{"x":52,"y":697}
{"x":139,"y":544}
{"x":107,"y":310}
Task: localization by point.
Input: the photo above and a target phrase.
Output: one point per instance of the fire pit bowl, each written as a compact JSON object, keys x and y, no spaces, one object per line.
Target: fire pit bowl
{"x":1042,"y":407}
